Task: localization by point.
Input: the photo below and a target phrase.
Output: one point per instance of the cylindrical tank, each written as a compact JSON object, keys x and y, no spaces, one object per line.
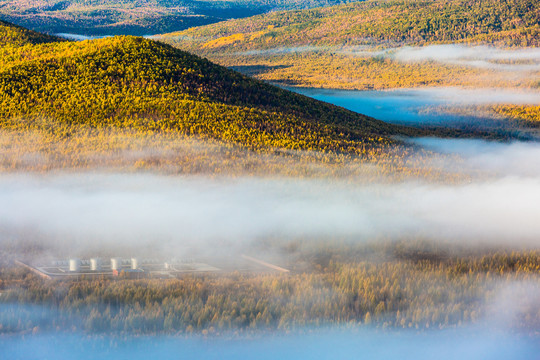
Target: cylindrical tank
{"x":116,"y":264}
{"x":95,"y":264}
{"x":134,"y":263}
{"x":74,"y":265}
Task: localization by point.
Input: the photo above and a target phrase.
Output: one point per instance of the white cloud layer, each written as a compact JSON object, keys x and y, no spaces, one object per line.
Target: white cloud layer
{"x":488,"y":57}
{"x":84,"y":211}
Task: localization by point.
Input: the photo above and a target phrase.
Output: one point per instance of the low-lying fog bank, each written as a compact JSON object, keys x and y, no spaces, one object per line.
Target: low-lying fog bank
{"x":489,"y":57}
{"x":470,"y":343}
{"x":81,"y":212}
{"x":509,"y":159}
{"x":521,"y":60}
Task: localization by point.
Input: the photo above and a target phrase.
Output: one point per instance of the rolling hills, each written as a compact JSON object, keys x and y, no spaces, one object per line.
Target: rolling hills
{"x":68,"y":91}
{"x":514,"y":22}
{"x":358,"y":45}
{"x":141,"y":17}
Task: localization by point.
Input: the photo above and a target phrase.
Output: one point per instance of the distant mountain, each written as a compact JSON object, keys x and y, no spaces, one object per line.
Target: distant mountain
{"x":515,"y":22}
{"x":140,"y":84}
{"x":141,"y":17}
{"x":367,"y":45}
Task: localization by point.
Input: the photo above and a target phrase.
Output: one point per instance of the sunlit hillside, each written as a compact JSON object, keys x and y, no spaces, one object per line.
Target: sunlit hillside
{"x":145,"y":86}
{"x":512,"y":22}
{"x":132,"y":103}
{"x":371,"y":45}
{"x":384,"y":45}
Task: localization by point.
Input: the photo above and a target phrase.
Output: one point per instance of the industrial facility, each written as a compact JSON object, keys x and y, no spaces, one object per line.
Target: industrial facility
{"x":117,"y":266}
{"x":136,"y":268}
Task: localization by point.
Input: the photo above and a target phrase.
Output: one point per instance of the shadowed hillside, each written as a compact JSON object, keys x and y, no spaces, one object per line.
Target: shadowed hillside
{"x":13,"y":35}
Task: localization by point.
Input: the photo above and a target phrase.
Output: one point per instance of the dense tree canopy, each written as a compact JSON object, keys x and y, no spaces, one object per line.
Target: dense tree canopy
{"x":127,"y":82}
{"x":397,"y":285}
{"x":410,"y":21}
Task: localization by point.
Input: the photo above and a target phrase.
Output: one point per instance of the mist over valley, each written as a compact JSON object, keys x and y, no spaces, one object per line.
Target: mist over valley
{"x":306,"y":179}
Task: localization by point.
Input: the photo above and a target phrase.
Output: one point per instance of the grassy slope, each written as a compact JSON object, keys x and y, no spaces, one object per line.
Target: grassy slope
{"x":134,"y":83}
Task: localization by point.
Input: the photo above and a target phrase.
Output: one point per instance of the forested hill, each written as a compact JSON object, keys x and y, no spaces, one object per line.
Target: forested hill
{"x":137,"y":17}
{"x":140,"y":84}
{"x":513,"y":22}
{"x":13,"y":35}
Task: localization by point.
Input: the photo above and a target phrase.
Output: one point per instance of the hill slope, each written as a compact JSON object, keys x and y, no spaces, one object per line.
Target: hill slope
{"x":134,"y":83}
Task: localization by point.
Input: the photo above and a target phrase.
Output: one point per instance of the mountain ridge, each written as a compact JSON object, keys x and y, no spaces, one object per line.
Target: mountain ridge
{"x":141,"y":17}
{"x":358,"y":23}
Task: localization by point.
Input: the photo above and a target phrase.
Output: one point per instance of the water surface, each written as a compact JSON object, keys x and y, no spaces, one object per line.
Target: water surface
{"x":422,"y":106}
{"x":331,"y":344}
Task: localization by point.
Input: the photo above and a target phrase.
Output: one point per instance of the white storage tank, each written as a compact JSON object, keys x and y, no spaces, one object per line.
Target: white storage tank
{"x":74,"y":265}
{"x":116,"y":264}
{"x":134,"y":263}
{"x":95,"y":264}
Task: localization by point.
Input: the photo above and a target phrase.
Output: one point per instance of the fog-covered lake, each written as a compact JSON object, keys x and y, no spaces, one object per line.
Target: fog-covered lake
{"x":81,"y":37}
{"x":330,"y":344}
{"x":419,"y":106}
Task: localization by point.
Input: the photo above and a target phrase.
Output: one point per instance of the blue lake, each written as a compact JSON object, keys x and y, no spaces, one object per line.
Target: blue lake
{"x":331,"y":344}
{"x":422,"y":106}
